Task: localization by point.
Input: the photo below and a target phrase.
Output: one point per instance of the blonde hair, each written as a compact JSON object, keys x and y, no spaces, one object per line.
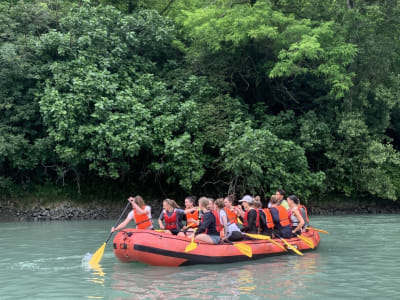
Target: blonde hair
{"x":220,"y":203}
{"x":171,"y":203}
{"x":139,"y":201}
{"x":204,"y":201}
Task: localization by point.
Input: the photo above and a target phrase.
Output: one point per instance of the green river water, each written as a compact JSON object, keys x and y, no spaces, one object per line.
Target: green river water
{"x":359,"y":259}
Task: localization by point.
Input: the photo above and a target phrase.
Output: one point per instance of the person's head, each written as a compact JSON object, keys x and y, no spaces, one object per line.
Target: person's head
{"x":280,"y":194}
{"x":228,"y":202}
{"x":292,"y":200}
{"x":139,"y":201}
{"x":210,"y":203}
{"x":190,"y":201}
{"x":257,"y":198}
{"x":169,"y":204}
{"x":204,"y":203}
{"x":257,"y":204}
{"x":247,"y":201}
{"x":219,"y":203}
{"x":274,"y":200}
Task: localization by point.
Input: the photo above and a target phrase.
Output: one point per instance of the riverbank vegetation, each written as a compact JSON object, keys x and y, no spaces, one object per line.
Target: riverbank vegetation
{"x":205,"y":97}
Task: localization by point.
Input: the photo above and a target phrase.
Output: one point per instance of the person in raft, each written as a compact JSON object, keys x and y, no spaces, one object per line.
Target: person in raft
{"x":231,"y":231}
{"x":281,"y":219}
{"x":191,"y":217}
{"x":207,"y":231}
{"x":231,"y":211}
{"x":172,"y":217}
{"x":280,"y":194}
{"x":140,"y":212}
{"x":295,"y":216}
{"x":252,"y":222}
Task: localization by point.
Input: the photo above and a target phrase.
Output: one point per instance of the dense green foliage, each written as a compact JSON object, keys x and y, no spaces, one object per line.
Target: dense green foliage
{"x":202,"y":96}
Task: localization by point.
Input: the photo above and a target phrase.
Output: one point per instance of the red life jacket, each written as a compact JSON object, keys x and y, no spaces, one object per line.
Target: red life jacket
{"x":270,"y":222}
{"x":257,"y":218}
{"x":283,"y":216}
{"x":170,"y":222}
{"x":195,"y":216}
{"x":142,"y":220}
{"x":232,"y":217}
{"x":218,"y":224}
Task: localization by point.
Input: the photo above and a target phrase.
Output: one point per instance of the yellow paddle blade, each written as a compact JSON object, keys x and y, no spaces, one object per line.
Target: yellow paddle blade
{"x":159,"y":230}
{"x":306,"y":240}
{"x":319,"y":230}
{"x":97,"y":255}
{"x":258,"y":236}
{"x":277,"y":244}
{"x":239,"y":221}
{"x":245,"y":249}
{"x":191,"y":246}
{"x":292,"y":247}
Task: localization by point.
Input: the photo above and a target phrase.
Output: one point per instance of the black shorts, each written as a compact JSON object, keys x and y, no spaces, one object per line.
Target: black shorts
{"x":175,"y":231}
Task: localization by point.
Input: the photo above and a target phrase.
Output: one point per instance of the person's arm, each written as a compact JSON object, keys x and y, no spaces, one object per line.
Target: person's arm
{"x":160,"y":220}
{"x":124,"y":223}
{"x":300,"y":218}
{"x":275,"y":215}
{"x":139,"y":210}
{"x":224,"y":222}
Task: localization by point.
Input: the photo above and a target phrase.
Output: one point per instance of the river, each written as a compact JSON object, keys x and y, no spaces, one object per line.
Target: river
{"x":359,"y":259}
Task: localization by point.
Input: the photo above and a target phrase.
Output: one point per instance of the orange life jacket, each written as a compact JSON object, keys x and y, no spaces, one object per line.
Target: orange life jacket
{"x":170,"y":222}
{"x":218,"y":224}
{"x":270,"y":222}
{"x":142,"y":220}
{"x":195,"y":216}
{"x":257,"y":218}
{"x":232,"y":217}
{"x":283,"y":215}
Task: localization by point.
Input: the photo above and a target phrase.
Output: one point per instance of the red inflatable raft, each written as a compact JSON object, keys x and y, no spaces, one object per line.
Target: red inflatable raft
{"x":161,"y":249}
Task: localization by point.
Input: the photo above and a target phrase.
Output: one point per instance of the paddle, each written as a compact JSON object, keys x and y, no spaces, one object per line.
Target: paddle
{"x":306,"y":240}
{"x":291,"y":247}
{"x":245,"y":249}
{"x":192,"y":244}
{"x":239,"y":221}
{"x":99,"y":253}
{"x":319,"y":230}
{"x":265,"y":237}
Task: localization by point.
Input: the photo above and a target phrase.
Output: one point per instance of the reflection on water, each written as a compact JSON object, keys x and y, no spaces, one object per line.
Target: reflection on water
{"x":267,"y":277}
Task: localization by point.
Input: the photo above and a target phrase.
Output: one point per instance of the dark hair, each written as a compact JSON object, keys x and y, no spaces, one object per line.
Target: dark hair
{"x":294,"y":199}
{"x":282,"y":192}
{"x":191,"y":199}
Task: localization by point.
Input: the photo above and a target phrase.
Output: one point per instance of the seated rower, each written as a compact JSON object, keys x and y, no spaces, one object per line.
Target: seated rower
{"x":230,"y":210}
{"x":263,"y":229}
{"x":281,"y":219}
{"x":295,"y":217}
{"x":304,"y":214}
{"x":251,"y":217}
{"x":231,"y":231}
{"x":207,"y":231}
{"x":191,"y":213}
{"x":140,"y":213}
{"x":171,"y":216}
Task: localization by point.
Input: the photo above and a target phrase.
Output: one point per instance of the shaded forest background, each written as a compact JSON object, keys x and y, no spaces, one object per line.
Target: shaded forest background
{"x":100,"y":99}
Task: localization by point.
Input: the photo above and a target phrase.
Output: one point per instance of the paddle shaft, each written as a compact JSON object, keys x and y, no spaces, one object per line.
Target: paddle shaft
{"x":116,"y":223}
